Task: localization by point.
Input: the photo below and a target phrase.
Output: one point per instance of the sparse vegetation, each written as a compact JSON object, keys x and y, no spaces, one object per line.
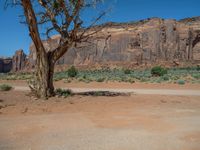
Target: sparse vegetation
{"x":16,"y":76}
{"x":63,"y":92}
{"x":103,"y":93}
{"x":5,"y":87}
{"x":189,"y":75}
{"x":67,"y":92}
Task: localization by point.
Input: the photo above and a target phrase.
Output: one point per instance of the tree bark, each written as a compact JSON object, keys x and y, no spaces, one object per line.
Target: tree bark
{"x":44,"y":75}
{"x":43,"y":85}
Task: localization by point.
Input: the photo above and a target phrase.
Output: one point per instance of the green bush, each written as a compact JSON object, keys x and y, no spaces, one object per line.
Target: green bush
{"x":198,"y":68}
{"x":5,"y":87}
{"x":72,"y":72}
{"x":181,"y":82}
{"x":127,"y":71}
{"x":158,"y":71}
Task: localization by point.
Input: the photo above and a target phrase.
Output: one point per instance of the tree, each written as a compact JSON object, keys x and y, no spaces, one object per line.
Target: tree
{"x":64,"y":17}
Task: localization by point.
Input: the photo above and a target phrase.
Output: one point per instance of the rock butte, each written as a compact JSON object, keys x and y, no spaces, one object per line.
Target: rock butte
{"x":147,"y":42}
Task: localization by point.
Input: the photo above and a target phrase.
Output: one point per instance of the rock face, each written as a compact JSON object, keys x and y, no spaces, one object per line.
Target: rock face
{"x":19,"y":61}
{"x":145,"y":42}
{"x":5,"y":65}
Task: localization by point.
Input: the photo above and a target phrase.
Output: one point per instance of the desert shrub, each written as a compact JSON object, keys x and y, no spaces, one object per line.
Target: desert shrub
{"x":131,"y":80}
{"x":198,"y":68}
{"x":165,"y":77}
{"x":84,"y":76}
{"x":72,"y":71}
{"x":63,"y":92}
{"x":181,"y":82}
{"x":158,"y":71}
{"x":143,"y":79}
{"x":196,"y":76}
{"x":127,"y":71}
{"x":175,"y":77}
{"x":159,"y":80}
{"x":101,"y":79}
{"x":5,"y":87}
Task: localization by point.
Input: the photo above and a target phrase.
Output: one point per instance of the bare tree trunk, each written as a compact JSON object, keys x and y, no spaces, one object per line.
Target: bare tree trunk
{"x":44,"y":76}
{"x":65,"y":19}
{"x":43,"y":85}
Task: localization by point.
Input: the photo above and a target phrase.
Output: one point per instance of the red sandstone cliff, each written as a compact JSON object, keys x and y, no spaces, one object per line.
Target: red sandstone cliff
{"x":149,"y":41}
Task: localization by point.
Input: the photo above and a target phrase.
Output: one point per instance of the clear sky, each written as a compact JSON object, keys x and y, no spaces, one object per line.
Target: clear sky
{"x":14,"y":35}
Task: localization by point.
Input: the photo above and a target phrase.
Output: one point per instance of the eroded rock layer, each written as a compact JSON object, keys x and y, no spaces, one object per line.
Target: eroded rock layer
{"x":19,"y":61}
{"x":144,"y":42}
{"x":147,"y":42}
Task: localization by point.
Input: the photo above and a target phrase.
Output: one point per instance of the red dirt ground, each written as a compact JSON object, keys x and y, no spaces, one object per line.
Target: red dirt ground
{"x":136,"y":122}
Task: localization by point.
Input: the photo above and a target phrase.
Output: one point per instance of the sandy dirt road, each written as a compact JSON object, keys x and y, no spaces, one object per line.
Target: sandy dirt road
{"x":76,"y":131}
{"x":136,"y":88}
{"x":136,"y":122}
{"x":155,"y":117}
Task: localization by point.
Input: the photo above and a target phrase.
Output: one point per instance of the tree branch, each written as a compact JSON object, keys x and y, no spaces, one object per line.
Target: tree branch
{"x":32,"y":24}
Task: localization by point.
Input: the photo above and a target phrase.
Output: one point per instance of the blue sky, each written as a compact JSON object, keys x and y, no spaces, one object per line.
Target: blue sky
{"x":14,"y":35}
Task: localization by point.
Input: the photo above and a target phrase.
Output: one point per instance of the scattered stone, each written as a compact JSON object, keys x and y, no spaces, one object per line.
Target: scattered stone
{"x":25,"y":110}
{"x":57,"y":96}
{"x":35,"y":98}
{"x":71,"y":102}
{"x":1,"y":106}
{"x":176,"y":63}
{"x":10,"y":105}
{"x":163,"y":101}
